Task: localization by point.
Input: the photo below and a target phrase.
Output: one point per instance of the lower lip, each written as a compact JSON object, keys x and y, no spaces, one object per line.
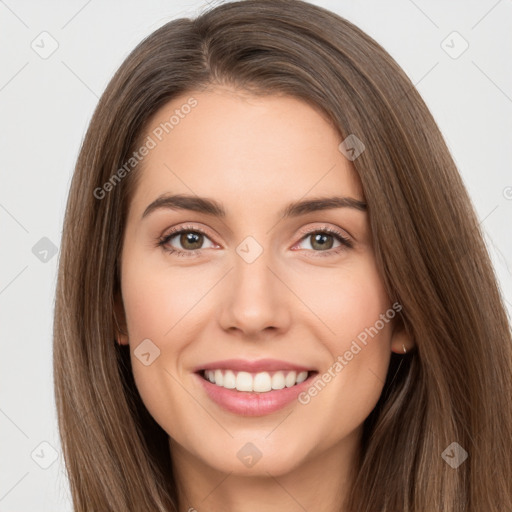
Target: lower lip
{"x":246,"y":403}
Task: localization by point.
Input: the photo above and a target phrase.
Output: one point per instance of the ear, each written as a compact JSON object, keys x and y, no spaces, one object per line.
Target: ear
{"x":121,"y":331}
{"x":401,"y":341}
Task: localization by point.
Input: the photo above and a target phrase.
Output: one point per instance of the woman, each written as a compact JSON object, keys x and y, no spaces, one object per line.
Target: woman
{"x":333,"y":339}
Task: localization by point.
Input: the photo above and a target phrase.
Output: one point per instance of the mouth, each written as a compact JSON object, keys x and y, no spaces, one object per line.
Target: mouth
{"x":260,"y":382}
{"x":254,"y":387}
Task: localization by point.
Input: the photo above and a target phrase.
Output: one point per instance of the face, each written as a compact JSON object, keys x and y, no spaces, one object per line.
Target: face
{"x":260,"y":299}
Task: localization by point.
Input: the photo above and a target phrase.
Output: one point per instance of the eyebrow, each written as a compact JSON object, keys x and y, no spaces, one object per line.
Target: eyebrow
{"x":213,"y":208}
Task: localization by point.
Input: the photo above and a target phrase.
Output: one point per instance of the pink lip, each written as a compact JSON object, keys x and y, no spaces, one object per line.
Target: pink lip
{"x":260,"y":365}
{"x":246,"y":403}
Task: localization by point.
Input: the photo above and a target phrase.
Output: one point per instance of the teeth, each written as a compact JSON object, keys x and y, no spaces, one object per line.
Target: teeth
{"x":301,"y":377}
{"x":229,"y":380}
{"x":218,"y":377}
{"x":243,"y":382}
{"x":278,"y":380}
{"x":260,"y":382}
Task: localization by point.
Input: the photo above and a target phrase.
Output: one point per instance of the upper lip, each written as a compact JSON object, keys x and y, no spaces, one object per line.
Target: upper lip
{"x":259,"y":365}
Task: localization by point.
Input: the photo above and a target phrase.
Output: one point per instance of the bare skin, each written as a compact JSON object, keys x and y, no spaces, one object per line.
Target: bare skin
{"x":298,"y":301}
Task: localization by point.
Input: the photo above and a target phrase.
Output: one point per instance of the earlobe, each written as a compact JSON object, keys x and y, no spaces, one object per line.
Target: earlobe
{"x":401,"y":342}
{"x":122,"y":339}
{"x":121,"y":334}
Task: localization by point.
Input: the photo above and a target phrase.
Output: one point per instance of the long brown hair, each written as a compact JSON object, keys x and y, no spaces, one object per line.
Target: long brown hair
{"x":456,"y":386}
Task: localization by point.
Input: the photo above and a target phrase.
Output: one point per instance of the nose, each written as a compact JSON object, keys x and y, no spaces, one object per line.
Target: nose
{"x":255,"y":300}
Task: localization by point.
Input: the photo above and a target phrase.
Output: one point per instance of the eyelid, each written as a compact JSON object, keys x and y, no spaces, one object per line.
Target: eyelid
{"x":188,"y":227}
{"x":325,"y":227}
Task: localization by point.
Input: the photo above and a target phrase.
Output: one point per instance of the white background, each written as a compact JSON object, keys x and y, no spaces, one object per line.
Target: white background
{"x":46,"y":104}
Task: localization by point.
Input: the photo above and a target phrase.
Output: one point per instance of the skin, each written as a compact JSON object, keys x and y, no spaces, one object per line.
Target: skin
{"x":296,"y":302}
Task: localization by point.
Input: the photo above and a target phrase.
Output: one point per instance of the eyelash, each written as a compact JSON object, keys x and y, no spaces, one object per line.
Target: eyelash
{"x":162,"y":241}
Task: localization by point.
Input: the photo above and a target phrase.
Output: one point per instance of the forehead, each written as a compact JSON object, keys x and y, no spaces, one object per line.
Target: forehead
{"x":253,"y":150}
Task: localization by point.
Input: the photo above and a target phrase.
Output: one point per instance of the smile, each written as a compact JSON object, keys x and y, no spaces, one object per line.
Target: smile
{"x":261,"y":382}
{"x":253,"y":388}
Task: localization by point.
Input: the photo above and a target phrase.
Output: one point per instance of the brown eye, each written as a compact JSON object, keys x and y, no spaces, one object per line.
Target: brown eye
{"x":321,"y":241}
{"x":191,"y":240}
{"x":325,"y":242}
{"x":185,"y":242}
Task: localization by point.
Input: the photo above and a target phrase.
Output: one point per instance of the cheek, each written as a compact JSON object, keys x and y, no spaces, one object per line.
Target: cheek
{"x":162,"y":304}
{"x":362,"y":324}
{"x":152,"y":308}
{"x":346,"y":300}
{"x":156,"y":298}
{"x":354,"y":306}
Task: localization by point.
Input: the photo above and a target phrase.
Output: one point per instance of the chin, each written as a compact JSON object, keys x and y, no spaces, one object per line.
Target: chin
{"x":255,"y":456}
